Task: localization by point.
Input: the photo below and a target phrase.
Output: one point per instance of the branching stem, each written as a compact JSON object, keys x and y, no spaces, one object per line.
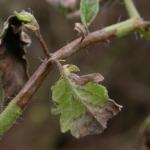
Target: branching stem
{"x":16,"y":106}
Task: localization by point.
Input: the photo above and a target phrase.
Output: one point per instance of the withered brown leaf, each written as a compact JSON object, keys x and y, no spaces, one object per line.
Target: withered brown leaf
{"x":13,"y":64}
{"x":82,"y":80}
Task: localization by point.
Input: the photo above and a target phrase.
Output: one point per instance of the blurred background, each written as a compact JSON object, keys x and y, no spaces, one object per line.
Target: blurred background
{"x":124,"y":62}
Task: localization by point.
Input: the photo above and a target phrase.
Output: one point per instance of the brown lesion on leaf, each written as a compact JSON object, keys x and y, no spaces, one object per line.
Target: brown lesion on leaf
{"x":13,"y":64}
{"x":95,"y":119}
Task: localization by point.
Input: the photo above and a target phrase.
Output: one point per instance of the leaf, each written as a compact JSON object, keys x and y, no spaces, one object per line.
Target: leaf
{"x":28,"y":19}
{"x":85,"y":108}
{"x":89,"y":10}
{"x":13,"y":63}
{"x":24,"y":16}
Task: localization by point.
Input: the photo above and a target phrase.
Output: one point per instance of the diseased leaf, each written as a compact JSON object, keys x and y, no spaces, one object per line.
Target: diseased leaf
{"x":87,"y":125}
{"x":13,"y":64}
{"x":89,"y":10}
{"x":84,"y":108}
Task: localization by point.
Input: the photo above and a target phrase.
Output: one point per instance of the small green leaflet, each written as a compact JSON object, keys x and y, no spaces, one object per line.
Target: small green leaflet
{"x":89,"y":10}
{"x":83,"y":104}
{"x":24,"y":16}
{"x":28,"y":19}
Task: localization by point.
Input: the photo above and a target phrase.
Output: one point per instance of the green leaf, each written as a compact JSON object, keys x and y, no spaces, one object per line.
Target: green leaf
{"x":83,"y":109}
{"x":89,"y":10}
{"x":93,"y":93}
{"x":28,"y":19}
{"x":24,"y":16}
{"x":67,"y":105}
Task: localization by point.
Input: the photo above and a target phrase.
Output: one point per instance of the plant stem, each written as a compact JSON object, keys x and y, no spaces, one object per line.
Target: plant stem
{"x":123,"y":28}
{"x":131,"y":9}
{"x":9,"y":116}
{"x":43,"y":44}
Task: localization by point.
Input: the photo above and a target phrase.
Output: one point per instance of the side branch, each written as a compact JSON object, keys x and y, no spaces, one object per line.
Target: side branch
{"x":43,"y":44}
{"x":131,"y":9}
{"x":17,"y":105}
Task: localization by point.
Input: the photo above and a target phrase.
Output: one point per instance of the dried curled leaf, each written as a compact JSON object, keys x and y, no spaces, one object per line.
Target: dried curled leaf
{"x":83,"y":104}
{"x":13,"y":64}
{"x":82,"y":80}
{"x":82,"y":30}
